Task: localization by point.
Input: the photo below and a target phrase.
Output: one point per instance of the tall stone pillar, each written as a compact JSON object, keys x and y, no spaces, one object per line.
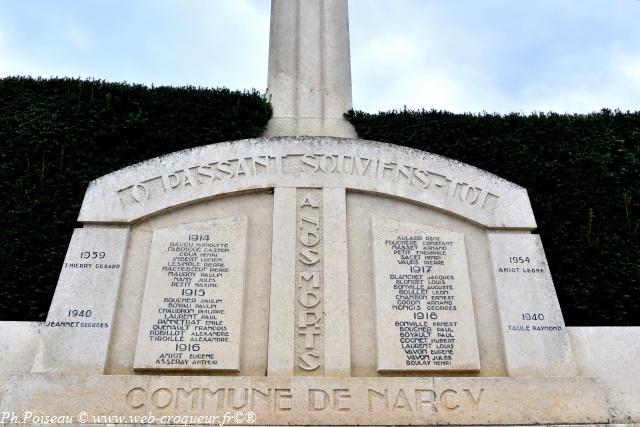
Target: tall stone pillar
{"x":309,"y":83}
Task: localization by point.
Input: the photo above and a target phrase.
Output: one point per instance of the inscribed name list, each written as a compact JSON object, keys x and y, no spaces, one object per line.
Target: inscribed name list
{"x":192,"y":308}
{"x":424,"y":308}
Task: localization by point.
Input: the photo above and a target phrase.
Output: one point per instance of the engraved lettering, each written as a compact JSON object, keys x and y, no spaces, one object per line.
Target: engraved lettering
{"x":262,"y":162}
{"x":192,"y":306}
{"x":309,"y":340}
{"x":139,"y":192}
{"x":309,"y":294}
{"x":207,"y":172}
{"x":402,"y":174}
{"x":233,"y":396}
{"x":242,"y":168}
{"x":318,"y":399}
{"x":312,"y":161}
{"x":328,"y":164}
{"x":136,"y":397}
{"x":225,"y":168}
{"x":182,"y":395}
{"x":402,"y":402}
{"x":469,"y":194}
{"x":426,"y":397}
{"x":309,"y":256}
{"x":309,"y":361}
{"x":283,"y":398}
{"x":475,"y":400}
{"x":308,"y":318}
{"x":448,"y":401}
{"x":162,"y":398}
{"x":374,"y":394}
{"x":423,"y":298}
{"x":341,"y":397}
{"x":313,"y":398}
{"x":309,"y":298}
{"x":209,"y":395}
{"x":265,"y":397}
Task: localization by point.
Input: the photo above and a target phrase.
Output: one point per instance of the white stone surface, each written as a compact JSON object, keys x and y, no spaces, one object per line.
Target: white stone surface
{"x":337,"y":340}
{"x":283,"y":279}
{"x":317,"y":400}
{"x":536,"y":340}
{"x":424,"y":309}
{"x":613,"y":355}
{"x":18,"y":345}
{"x":76,"y":335}
{"x":188,"y":176}
{"x":309,"y":78}
{"x":193,"y":302}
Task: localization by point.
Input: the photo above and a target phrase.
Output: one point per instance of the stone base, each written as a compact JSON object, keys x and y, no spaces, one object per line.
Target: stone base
{"x":612,"y":354}
{"x":18,"y":344}
{"x":115,"y":399}
{"x":310,"y":126}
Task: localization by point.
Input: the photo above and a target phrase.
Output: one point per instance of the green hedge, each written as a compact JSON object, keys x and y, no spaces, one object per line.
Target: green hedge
{"x":56,"y":135}
{"x":582,"y":173}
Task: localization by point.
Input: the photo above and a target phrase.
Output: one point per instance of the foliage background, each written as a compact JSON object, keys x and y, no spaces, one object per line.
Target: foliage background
{"x":56,"y":135}
{"x":582,"y":173}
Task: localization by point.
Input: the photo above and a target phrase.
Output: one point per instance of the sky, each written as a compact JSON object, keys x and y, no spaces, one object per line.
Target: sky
{"x":567,"y":56}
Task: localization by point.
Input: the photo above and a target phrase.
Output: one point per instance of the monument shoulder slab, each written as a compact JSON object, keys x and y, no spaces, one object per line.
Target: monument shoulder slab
{"x":535,"y":337}
{"x":76,"y":334}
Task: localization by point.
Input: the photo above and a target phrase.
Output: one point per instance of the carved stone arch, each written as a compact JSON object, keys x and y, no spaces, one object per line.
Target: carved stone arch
{"x":200,"y":173}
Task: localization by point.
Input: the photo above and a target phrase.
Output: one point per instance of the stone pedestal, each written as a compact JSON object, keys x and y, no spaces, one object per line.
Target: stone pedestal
{"x":312,"y":401}
{"x":313,"y":281}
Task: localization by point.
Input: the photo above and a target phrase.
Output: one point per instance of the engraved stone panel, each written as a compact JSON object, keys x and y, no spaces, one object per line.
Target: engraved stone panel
{"x":535,"y":337}
{"x":425,"y":318}
{"x":312,"y":162}
{"x":309,"y":337}
{"x":193,"y":302}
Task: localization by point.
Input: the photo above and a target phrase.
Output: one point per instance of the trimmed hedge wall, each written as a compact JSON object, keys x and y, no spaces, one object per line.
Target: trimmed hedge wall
{"x":56,"y":135}
{"x":582,"y":173}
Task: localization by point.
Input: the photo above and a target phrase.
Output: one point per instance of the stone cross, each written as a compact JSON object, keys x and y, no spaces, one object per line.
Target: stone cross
{"x":309,"y":82}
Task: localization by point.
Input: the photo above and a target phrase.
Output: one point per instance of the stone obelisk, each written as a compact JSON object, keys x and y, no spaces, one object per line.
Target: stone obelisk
{"x":309,"y":83}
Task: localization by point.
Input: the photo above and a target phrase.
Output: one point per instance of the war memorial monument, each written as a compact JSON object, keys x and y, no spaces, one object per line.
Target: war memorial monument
{"x":309,"y":277}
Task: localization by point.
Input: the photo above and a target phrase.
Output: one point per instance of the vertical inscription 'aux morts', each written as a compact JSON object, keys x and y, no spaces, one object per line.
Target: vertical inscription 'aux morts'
{"x":192,"y":309}
{"x":309,"y":325}
{"x":424,"y":310}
